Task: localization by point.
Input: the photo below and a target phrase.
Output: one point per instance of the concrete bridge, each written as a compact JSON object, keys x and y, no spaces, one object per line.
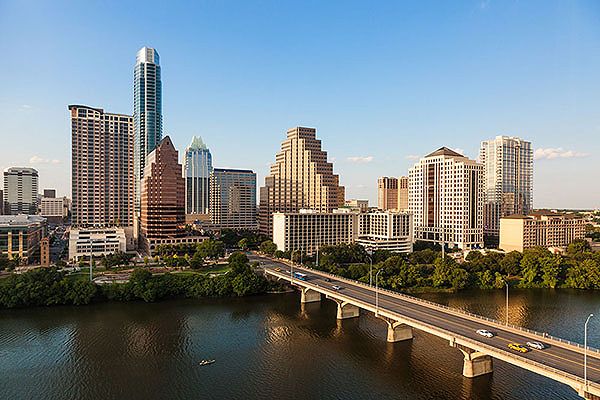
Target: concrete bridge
{"x":561,"y":360}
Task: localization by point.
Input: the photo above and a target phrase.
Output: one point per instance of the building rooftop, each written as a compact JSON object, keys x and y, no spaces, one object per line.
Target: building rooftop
{"x":20,"y":220}
{"x":444,"y":151}
{"x":197,"y":144}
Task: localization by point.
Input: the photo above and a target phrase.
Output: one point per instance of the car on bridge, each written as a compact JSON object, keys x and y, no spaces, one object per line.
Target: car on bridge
{"x":536,"y":345}
{"x":518,"y":347}
{"x":484,"y":332}
{"x":336,"y":287}
{"x":278,"y":269}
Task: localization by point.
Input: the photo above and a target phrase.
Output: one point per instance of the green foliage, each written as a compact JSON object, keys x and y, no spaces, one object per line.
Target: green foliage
{"x":268,"y":247}
{"x":211,"y":249}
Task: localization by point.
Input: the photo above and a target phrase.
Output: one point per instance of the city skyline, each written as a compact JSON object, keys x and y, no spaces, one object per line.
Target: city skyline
{"x":548,"y":98}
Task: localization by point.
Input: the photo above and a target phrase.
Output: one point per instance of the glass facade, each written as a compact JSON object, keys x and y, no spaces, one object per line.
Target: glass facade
{"x":233,"y":198}
{"x":197,"y":170}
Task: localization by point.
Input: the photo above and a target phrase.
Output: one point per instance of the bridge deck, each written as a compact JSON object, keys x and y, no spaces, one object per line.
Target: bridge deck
{"x":559,"y":361}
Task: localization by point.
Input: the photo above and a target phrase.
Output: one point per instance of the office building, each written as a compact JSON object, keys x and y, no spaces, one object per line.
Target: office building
{"x":96,"y":242}
{"x":308,"y":230}
{"x":300,"y":178}
{"x":403,"y":193}
{"x":1,"y":202}
{"x":49,"y":193}
{"x":102,"y":165}
{"x":387,"y":193}
{"x":20,"y":237}
{"x":358,"y":205}
{"x":20,"y":191}
{"x":386,"y":230}
{"x":445,"y":196}
{"x":55,"y":210}
{"x":508,"y":177}
{"x":147,"y":112}
{"x":233,"y":199}
{"x":546,"y":229}
{"x":197,"y":168}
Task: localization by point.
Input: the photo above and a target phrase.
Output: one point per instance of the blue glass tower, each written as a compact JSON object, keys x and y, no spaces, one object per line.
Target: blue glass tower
{"x":197,"y":170}
{"x":147,"y":111}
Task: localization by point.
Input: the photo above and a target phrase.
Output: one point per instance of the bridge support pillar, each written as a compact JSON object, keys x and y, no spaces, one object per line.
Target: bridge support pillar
{"x":476,"y":364}
{"x":346,"y":310}
{"x":397,"y":332}
{"x":310,"y":296}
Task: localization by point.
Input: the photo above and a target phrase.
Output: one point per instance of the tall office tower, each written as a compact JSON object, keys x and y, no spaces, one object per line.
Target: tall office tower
{"x":102,"y":165}
{"x":387,"y":193}
{"x":301,"y":177}
{"x":163,"y":195}
{"x":445,"y":195}
{"x":403,"y":193}
{"x":508,"y":170}
{"x":20,"y":190}
{"x":147,"y":111}
{"x":233,"y":198}
{"x":1,"y":202}
{"x":197,"y":168}
{"x":49,"y":193}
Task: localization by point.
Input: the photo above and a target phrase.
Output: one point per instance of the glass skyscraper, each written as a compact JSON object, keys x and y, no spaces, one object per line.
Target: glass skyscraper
{"x":196,"y":170}
{"x":147,"y":111}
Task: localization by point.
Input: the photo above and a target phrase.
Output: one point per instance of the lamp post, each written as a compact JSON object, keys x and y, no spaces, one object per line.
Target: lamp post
{"x":370,"y":254}
{"x":585,"y":381}
{"x":377,"y":293}
{"x":506,"y":283}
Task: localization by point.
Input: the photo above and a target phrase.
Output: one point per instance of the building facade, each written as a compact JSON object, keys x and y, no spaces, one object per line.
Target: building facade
{"x":386,"y":230}
{"x":102,"y":168}
{"x":233,"y":199}
{"x":403,"y":193}
{"x":97,"y":242}
{"x":197,"y":167}
{"x":445,"y":196}
{"x":546,"y":229}
{"x":147,"y":112}
{"x":301,"y":177}
{"x":45,"y":252}
{"x":49,"y":193}
{"x":387,"y":193}
{"x":163,"y":195}
{"x":55,"y":210}
{"x":20,"y":237}
{"x":21,"y":190}
{"x":359,"y":205}
{"x":508,"y":181}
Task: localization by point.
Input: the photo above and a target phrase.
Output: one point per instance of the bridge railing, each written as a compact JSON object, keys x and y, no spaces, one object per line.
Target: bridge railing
{"x":542,"y":335}
{"x":488,"y":349}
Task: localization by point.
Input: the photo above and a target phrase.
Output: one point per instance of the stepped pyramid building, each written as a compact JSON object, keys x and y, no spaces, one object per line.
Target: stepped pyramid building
{"x":300,"y":178}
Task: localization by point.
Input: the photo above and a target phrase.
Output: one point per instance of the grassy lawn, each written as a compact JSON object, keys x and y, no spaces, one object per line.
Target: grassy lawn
{"x":213,"y":269}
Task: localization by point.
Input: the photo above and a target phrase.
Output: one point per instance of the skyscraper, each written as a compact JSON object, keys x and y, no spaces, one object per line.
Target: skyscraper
{"x":445,"y":195}
{"x":508,"y":177}
{"x":102,"y":168}
{"x":162,"y":196}
{"x":233,"y":198}
{"x":197,"y":168}
{"x":301,"y":177}
{"x":147,"y":111}
{"x":387,"y":193}
{"x":403,"y":193}
{"x":20,"y":190}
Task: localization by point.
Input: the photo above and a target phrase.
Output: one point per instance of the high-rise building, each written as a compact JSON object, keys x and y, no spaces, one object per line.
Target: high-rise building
{"x":197,"y":168}
{"x":233,"y":199}
{"x":49,"y":193}
{"x":1,"y":202}
{"x":403,"y":193}
{"x":20,"y":190}
{"x":387,"y":193}
{"x":102,"y":165}
{"x":163,"y":195}
{"x":300,"y":178}
{"x":147,"y":111}
{"x":445,"y":195}
{"x":508,"y":177}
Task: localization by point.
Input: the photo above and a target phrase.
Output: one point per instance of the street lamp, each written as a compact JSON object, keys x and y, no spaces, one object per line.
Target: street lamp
{"x":377,"y":293}
{"x":585,"y":350}
{"x":506,"y":283}
{"x":369,"y":254}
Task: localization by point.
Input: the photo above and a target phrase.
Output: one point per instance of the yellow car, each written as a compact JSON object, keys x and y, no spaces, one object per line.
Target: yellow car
{"x":518,"y":347}
{"x":278,"y":269}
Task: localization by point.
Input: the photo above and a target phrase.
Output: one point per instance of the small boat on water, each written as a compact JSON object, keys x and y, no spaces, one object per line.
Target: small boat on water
{"x":206,"y":362}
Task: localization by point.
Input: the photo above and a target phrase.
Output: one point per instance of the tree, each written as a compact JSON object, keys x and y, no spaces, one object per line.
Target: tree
{"x":244,"y":244}
{"x":211,"y":249}
{"x":550,"y":268}
{"x":578,"y":248}
{"x":196,"y":262}
{"x":511,"y":263}
{"x":268,"y":247}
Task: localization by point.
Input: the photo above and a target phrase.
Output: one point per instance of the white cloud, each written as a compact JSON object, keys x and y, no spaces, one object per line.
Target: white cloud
{"x":41,"y":160}
{"x":413,"y":157}
{"x":25,"y":107}
{"x":459,"y":150}
{"x":558,"y":152}
{"x":360,"y":159}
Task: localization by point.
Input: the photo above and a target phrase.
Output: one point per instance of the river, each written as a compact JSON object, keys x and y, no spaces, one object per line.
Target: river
{"x":266,"y":347}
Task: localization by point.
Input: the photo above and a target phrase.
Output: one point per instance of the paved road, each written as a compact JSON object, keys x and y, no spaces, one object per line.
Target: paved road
{"x":564,"y":359}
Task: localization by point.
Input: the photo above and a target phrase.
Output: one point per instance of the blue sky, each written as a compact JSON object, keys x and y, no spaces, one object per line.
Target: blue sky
{"x":383,"y":82}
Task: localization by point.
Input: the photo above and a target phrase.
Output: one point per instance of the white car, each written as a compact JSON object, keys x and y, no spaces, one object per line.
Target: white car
{"x":484,"y":332}
{"x":336,"y":287}
{"x":536,"y":345}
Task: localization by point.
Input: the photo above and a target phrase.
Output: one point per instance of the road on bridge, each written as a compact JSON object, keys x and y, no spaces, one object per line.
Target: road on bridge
{"x":562,"y":358}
